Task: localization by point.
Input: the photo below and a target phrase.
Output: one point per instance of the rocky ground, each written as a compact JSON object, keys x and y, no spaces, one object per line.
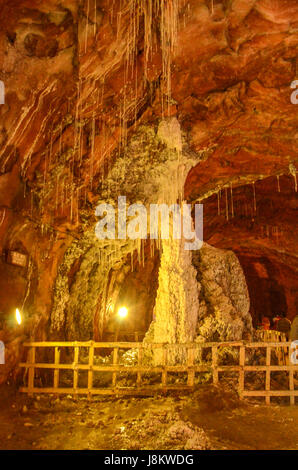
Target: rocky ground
{"x":210,"y":418}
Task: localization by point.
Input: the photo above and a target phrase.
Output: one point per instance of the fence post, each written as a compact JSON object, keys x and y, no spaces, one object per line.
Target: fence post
{"x":241,"y":371}
{"x":268,"y":374}
{"x":140,"y":358}
{"x":75,"y":370}
{"x":31,"y":372}
{"x":115,"y":362}
{"x":90,"y":371}
{"x":291,"y":376}
{"x":190,"y":366}
{"x":164,"y":375}
{"x":56,"y":371}
{"x":215,"y":364}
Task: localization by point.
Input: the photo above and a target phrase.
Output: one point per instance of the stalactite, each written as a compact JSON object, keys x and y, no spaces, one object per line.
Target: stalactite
{"x":169,"y":32}
{"x":227,"y":204}
{"x":29,"y":278}
{"x":87,"y":26}
{"x":267,"y":231}
{"x":166,"y":13}
{"x":63,"y":196}
{"x":91,"y":170}
{"x":71,"y":205}
{"x":57,"y":192}
{"x":95,"y":17}
{"x":60,"y":140}
{"x":254,"y":198}
{"x":278,"y":184}
{"x":3,"y":217}
{"x":232,"y":201}
{"x":31,"y":203}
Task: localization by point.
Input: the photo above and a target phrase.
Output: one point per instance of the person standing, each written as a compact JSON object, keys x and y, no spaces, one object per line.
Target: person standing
{"x":265,"y":323}
{"x":283,"y":325}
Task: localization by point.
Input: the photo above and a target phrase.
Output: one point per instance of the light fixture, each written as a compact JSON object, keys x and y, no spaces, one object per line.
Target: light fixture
{"x":122,"y":312}
{"x":18,"y":316}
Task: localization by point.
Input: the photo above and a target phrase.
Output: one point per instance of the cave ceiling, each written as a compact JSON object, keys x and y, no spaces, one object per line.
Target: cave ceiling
{"x":81,"y":79}
{"x":67,"y":81}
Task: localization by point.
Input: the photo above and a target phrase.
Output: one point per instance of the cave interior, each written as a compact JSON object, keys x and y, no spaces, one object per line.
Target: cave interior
{"x":159,"y":102}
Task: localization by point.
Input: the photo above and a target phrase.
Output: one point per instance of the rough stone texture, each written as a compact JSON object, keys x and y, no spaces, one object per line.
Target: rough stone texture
{"x":81,"y":300}
{"x":224,"y":300}
{"x":263,"y":238}
{"x":177,"y":302}
{"x":13,"y":352}
{"x":167,"y":428}
{"x":176,"y":306}
{"x":159,"y":156}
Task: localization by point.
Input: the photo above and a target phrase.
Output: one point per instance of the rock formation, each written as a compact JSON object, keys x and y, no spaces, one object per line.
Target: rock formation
{"x":224,"y":300}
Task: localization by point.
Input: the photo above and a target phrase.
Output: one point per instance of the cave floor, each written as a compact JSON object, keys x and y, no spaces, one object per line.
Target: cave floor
{"x":51,"y":423}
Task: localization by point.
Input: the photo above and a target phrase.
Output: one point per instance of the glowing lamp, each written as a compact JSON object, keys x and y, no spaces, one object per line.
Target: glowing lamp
{"x":122,"y":312}
{"x":18,"y":317}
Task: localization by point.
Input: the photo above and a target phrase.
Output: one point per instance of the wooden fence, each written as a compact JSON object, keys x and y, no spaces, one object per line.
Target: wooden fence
{"x":128,"y":335}
{"x":199,"y":358}
{"x":274,"y":336}
{"x":270,"y":336}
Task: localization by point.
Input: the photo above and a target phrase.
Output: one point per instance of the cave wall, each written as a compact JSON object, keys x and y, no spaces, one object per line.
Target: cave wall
{"x":262,"y":232}
{"x":224,"y":299}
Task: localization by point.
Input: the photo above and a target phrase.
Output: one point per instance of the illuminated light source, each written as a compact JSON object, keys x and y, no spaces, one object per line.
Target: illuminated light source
{"x":122,"y":312}
{"x":18,"y":316}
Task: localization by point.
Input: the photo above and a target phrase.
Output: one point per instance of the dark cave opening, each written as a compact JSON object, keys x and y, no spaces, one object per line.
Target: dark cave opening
{"x":135,"y":286}
{"x":266,"y":291}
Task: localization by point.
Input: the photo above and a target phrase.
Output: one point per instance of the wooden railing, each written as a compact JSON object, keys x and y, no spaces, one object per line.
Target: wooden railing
{"x":275,"y":337}
{"x":131,"y":335}
{"x":194,"y":363}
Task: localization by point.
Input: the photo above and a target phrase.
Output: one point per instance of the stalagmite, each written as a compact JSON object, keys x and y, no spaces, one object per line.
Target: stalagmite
{"x":177,"y":304}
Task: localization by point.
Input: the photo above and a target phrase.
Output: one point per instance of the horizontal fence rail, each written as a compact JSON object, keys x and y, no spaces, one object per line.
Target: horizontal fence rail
{"x":163,"y":361}
{"x":128,"y":335}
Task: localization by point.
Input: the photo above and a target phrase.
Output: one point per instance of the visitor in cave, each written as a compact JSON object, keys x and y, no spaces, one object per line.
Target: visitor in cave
{"x":283,"y":325}
{"x":265,"y":323}
{"x":276,"y":320}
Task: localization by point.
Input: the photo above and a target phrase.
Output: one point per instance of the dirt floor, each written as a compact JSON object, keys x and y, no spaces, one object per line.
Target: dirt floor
{"x":210,"y":418}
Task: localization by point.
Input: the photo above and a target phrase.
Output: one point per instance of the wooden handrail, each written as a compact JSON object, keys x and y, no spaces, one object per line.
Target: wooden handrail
{"x":190,"y":367}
